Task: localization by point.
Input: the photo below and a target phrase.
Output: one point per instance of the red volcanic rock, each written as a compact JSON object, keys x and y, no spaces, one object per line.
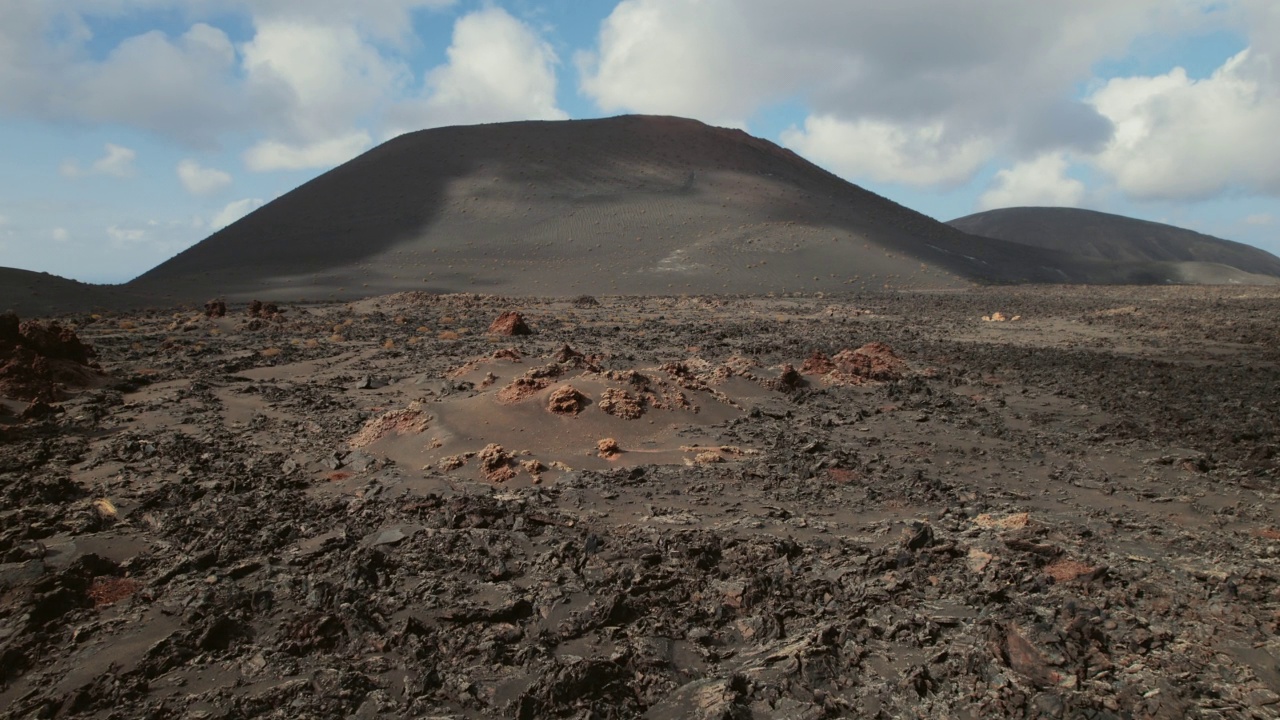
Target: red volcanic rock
{"x":608,"y":448}
{"x":37,"y":360}
{"x":621,"y":403}
{"x":790,"y":378}
{"x":817,"y":364}
{"x":265,"y":311}
{"x":215,"y":309}
{"x":874,"y":361}
{"x":509,"y":323}
{"x":566,"y":401}
{"x":567,"y":354}
{"x":495,"y":463}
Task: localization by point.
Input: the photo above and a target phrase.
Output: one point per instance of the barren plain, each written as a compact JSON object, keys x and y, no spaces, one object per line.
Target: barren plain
{"x":1027,"y":502}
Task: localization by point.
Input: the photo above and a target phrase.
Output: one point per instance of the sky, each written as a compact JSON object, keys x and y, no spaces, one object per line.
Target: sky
{"x":132,"y":129}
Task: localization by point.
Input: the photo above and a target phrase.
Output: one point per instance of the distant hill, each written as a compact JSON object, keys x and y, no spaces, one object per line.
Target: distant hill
{"x":626,"y":205}
{"x":1116,"y":238}
{"x":34,"y":294}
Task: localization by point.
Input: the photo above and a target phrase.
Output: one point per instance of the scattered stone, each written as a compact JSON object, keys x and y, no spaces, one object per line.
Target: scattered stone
{"x":608,"y":448}
{"x":40,"y":363}
{"x":1016,"y":521}
{"x":708,"y":457}
{"x":495,"y":463}
{"x":215,"y":308}
{"x":978,"y":560}
{"x":407,"y":421}
{"x":621,"y":403}
{"x":263,"y":311}
{"x":1066,"y":570}
{"x":509,"y":323}
{"x":565,"y":400}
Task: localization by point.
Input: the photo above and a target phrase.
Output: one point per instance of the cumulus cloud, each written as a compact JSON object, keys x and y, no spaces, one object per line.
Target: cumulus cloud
{"x":117,"y":162}
{"x":1039,"y":182}
{"x":498,"y":70}
{"x":887,"y":152}
{"x":937,"y":79}
{"x":390,"y":19}
{"x":312,"y":81}
{"x":200,"y":180}
{"x":311,"y":71}
{"x":180,"y":87}
{"x":234,"y":211}
{"x":1178,"y":138}
{"x":271,"y":155}
{"x":125,"y":236}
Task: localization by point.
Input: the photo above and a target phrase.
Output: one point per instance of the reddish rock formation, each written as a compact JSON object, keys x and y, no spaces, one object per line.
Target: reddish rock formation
{"x":522,"y":388}
{"x":621,"y":403}
{"x":37,"y":362}
{"x":510,"y":353}
{"x":567,"y":354}
{"x":873,"y":362}
{"x":264,"y":311}
{"x":817,"y":364}
{"x":215,"y":308}
{"x":790,"y":379}
{"x":509,"y":323}
{"x":495,"y":463}
{"x":566,"y":400}
{"x":608,"y":448}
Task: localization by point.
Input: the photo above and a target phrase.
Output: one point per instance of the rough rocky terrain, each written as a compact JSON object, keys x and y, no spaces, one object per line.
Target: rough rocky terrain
{"x":1035,"y":502}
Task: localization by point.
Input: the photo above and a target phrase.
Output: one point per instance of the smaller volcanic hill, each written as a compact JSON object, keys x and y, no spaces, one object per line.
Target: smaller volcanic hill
{"x":34,"y":293}
{"x":1119,"y":239}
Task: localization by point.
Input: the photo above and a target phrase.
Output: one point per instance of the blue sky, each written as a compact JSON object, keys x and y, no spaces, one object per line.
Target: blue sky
{"x":134,"y":128}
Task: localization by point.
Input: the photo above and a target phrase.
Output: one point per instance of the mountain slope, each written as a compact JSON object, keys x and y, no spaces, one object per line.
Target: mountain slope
{"x":629,"y":205}
{"x":1116,"y":238}
{"x":34,"y":294}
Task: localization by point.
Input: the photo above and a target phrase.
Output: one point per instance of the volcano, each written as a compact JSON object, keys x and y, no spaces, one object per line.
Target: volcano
{"x":1193,"y":257}
{"x":625,"y":205}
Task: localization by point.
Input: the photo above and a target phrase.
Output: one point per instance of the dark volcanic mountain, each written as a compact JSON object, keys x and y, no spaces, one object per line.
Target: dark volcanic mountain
{"x":1115,"y":238}
{"x":626,"y":205}
{"x":33,"y":293}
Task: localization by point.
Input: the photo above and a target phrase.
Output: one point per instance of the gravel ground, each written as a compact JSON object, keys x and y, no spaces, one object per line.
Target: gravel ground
{"x":857,"y":506}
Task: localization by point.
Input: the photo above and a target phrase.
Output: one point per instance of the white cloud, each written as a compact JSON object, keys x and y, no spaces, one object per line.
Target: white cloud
{"x":182,"y":87}
{"x":886,"y":152}
{"x":233,"y":212}
{"x":498,"y":70}
{"x":4,"y":220}
{"x":1178,"y":138}
{"x":315,"y":82}
{"x":389,"y":19}
{"x":274,"y":155}
{"x":117,"y":162}
{"x":200,"y":180}
{"x":1039,"y":182}
{"x":680,"y":58}
{"x":125,"y":235}
{"x":938,"y":80}
{"x":1260,"y":219}
{"x":59,"y":235}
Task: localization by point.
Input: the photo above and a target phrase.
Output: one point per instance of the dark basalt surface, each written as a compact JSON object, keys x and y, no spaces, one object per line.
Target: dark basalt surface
{"x":1071,"y":514}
